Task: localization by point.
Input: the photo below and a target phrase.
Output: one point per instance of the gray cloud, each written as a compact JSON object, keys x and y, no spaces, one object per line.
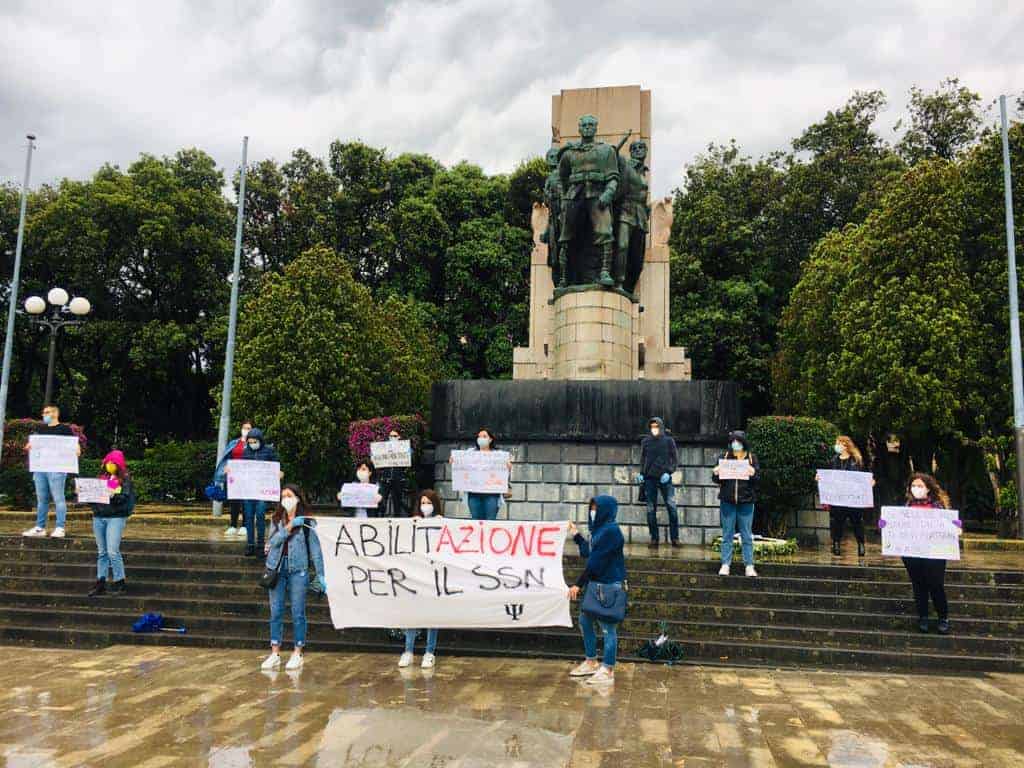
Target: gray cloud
{"x":465,"y":79}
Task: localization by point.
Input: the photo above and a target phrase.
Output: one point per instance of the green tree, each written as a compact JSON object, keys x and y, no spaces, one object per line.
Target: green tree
{"x":316,"y":352}
{"x":942,"y":123}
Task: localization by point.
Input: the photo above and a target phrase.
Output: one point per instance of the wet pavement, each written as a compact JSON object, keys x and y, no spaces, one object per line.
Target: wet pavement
{"x":163,"y":707}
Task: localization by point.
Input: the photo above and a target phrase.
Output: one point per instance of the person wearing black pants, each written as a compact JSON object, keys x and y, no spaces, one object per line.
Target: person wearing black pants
{"x":927,"y":575}
{"x":659,"y":459}
{"x":847,"y":458}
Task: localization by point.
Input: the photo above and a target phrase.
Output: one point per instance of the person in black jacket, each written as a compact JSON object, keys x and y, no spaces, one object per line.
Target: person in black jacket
{"x":847,"y":458}
{"x":394,"y":488}
{"x":736,"y":504}
{"x":658,"y":460}
{"x":108,"y":521}
{"x":255,"y":512}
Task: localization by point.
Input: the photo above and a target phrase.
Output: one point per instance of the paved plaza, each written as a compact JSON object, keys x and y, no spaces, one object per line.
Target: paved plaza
{"x":163,"y":707}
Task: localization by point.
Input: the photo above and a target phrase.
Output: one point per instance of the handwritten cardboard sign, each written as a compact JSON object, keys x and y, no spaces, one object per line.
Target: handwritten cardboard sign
{"x":359,"y":495}
{"x":439,"y":572}
{"x":254,"y":480}
{"x":391,"y":453}
{"x":839,"y":488}
{"x":53,"y":453}
{"x":92,"y":490}
{"x":480,"y":471}
{"x":920,"y":532}
{"x":733,"y":469}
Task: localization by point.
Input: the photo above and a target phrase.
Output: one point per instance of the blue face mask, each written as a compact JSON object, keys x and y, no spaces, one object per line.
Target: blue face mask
{"x":837,"y":448}
{"x":737,"y":446}
{"x":47,"y":419}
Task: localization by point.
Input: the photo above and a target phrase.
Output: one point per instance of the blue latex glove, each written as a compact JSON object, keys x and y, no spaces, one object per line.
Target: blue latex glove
{"x":640,"y":479}
{"x":665,"y":478}
{"x":323,"y":584}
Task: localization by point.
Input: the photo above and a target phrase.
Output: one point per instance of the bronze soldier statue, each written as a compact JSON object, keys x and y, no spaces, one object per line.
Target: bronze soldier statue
{"x":553,"y":200}
{"x":589,"y":172}
{"x":633,"y":217}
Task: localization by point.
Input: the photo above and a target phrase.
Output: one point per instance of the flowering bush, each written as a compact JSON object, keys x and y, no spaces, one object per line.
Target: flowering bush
{"x":362,"y":433}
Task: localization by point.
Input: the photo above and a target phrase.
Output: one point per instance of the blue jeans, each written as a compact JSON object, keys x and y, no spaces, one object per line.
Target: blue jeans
{"x":483,"y":506}
{"x":733,"y":515}
{"x":50,"y":486}
{"x":651,"y":490}
{"x":410,"y":640}
{"x":295,"y":584}
{"x":107,"y":531}
{"x":254,"y":512}
{"x":611,"y":639}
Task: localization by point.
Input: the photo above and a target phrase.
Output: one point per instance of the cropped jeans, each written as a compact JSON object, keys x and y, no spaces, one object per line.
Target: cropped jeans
{"x":50,"y":486}
{"x":483,"y":506}
{"x":293,"y":585}
{"x":108,"y":531}
{"x":737,"y":516}
{"x":611,"y":637}
{"x":410,"y":640}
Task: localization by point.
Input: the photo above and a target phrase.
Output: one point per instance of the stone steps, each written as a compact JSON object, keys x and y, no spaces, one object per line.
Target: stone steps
{"x":793,"y":615}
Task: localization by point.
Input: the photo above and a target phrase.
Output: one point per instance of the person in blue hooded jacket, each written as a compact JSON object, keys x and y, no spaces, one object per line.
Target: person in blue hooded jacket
{"x":233,"y":451}
{"x":294,"y":552}
{"x":605,"y":565}
{"x":255,"y":512}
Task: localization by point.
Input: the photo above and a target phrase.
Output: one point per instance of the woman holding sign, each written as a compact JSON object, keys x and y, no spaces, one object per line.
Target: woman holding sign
{"x":846,"y":458}
{"x":926,"y":574}
{"x":255,"y":512}
{"x":428,"y":504}
{"x":294,"y":561}
{"x":108,"y":521}
{"x":484,"y":506}
{"x":364,"y":473}
{"x":736,"y":476}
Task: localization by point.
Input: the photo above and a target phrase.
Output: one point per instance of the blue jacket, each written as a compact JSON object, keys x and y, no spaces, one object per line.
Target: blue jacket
{"x":605,"y":562}
{"x":298,"y":556}
{"x":266,"y":452}
{"x":218,"y":473}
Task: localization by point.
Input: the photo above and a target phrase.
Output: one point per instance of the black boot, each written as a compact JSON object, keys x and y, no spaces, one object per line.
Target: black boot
{"x":943,"y":626}
{"x":606,"y":278}
{"x":860,"y":549}
{"x":250,"y":551}
{"x":835,"y":548}
{"x":922,"y":625}
{"x":117,"y":587}
{"x":100,"y":588}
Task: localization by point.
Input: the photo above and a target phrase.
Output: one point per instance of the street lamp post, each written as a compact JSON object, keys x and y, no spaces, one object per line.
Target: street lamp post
{"x":57,"y":311}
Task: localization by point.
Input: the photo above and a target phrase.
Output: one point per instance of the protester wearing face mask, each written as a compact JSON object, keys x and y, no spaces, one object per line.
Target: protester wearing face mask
{"x":927,"y":576}
{"x":256,"y":449}
{"x":847,"y":458}
{"x":108,"y":521}
{"x":429,"y":505}
{"x":484,"y":506}
{"x":233,"y":452}
{"x":294,"y":552}
{"x":364,"y":474}
{"x":50,"y":485}
{"x":658,"y":461}
{"x":394,"y":487}
{"x":736,"y":500}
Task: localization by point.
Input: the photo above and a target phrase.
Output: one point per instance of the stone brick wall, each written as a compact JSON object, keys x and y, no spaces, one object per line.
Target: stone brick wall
{"x":554,"y":481}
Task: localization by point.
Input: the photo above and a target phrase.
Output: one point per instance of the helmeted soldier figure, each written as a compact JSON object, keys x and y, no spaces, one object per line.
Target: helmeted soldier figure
{"x":589,"y":172}
{"x":633,"y":217}
{"x":553,"y":200}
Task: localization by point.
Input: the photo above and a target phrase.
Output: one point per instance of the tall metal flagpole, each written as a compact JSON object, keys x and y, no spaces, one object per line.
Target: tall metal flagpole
{"x":229,"y":357}
{"x":5,"y":377}
{"x":1015,"y":361}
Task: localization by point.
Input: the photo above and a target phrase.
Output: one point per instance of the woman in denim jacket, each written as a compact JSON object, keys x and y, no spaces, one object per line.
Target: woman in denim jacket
{"x":292,"y":549}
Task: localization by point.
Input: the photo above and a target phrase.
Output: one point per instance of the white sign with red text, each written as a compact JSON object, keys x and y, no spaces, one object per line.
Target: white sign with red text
{"x":435,"y":573}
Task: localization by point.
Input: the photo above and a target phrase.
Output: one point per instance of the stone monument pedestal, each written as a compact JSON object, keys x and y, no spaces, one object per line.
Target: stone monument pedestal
{"x":593,"y":334}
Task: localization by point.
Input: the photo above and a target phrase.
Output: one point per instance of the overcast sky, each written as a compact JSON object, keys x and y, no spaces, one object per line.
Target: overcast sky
{"x":467,"y":79}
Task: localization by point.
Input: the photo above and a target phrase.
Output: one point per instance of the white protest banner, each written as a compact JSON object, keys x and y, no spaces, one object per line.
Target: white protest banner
{"x":254,"y":480}
{"x":437,"y":572}
{"x":53,"y":453}
{"x":733,"y":469}
{"x":480,"y":471}
{"x":359,"y":495}
{"x":391,"y":453}
{"x":920,"y":532}
{"x":839,"y":488}
{"x":92,"y":490}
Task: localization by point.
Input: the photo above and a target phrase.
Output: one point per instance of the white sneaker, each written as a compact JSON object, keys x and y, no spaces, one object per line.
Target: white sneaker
{"x":240,"y":531}
{"x":58,"y":533}
{"x":230,"y":531}
{"x":406,"y":660}
{"x":273,"y":661}
{"x":724,"y":570}
{"x":750,"y":571}
{"x":295,"y":662}
{"x":601,"y":677}
{"x":428,"y":661}
{"x":34,"y":532}
{"x":585,"y":669}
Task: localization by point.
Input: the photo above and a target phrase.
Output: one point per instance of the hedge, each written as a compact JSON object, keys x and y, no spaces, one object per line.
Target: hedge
{"x":362,"y":433}
{"x":15,"y":481}
{"x":790,"y":449}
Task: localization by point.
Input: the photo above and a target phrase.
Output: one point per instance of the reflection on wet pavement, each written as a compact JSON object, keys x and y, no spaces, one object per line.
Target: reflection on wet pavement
{"x":163,"y":707}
